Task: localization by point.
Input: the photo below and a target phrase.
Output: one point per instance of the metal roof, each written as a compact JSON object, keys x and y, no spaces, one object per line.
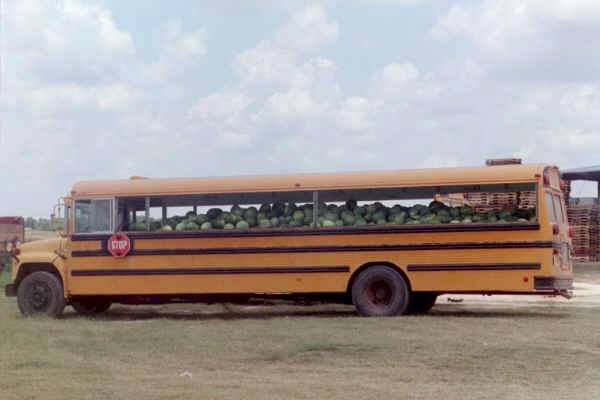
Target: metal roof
{"x":583,"y":174}
{"x":346,"y":180}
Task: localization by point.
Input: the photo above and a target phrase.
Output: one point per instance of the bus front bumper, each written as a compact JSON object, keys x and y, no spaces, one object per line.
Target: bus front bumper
{"x":10,"y":290}
{"x":559,"y":286}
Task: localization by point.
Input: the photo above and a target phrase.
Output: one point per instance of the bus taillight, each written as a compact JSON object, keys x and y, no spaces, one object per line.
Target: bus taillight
{"x":555,"y":229}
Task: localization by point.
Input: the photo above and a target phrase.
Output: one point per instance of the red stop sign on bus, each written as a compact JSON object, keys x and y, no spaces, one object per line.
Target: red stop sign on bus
{"x":119,"y":245}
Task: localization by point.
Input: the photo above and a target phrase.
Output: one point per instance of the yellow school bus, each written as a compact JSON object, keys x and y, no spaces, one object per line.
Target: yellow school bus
{"x":388,"y":242}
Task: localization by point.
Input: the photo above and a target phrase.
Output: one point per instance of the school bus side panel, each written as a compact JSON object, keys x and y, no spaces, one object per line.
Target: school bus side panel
{"x":241,"y":265}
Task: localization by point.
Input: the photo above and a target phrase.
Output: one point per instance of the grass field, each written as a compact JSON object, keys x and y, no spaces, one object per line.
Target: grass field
{"x":284,"y":352}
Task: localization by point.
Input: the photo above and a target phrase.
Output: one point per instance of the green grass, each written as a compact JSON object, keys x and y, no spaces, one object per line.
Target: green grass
{"x":285,"y":352}
{"x":5,"y":276}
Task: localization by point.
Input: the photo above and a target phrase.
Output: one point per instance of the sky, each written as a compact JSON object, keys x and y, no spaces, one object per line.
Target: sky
{"x":110,"y":89}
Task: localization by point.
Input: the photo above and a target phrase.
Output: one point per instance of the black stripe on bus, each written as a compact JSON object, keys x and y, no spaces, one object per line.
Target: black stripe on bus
{"x":319,"y":249}
{"x":347,"y":230}
{"x":209,"y":271}
{"x":473,"y":267}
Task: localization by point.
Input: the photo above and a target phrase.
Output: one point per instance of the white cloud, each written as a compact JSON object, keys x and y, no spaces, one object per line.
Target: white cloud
{"x":298,"y":115}
{"x":64,"y":40}
{"x":525,"y":31}
{"x":357,"y":114}
{"x":281,"y":60}
{"x":91,"y":106}
{"x":308,"y":30}
{"x":396,"y":75}
{"x":180,"y":53}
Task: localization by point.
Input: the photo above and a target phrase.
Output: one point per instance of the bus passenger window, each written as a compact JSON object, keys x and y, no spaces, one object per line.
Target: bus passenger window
{"x":550,"y":207}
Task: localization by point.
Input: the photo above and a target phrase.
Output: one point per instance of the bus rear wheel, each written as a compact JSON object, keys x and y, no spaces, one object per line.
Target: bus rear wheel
{"x":90,"y":306}
{"x":421,"y":303}
{"x":41,"y":293}
{"x":380,"y":291}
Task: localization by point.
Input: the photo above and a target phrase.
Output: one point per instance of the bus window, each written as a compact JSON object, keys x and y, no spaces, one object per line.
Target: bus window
{"x":550,"y":207}
{"x":428,"y":205}
{"x":93,"y":216}
{"x":558,"y":209}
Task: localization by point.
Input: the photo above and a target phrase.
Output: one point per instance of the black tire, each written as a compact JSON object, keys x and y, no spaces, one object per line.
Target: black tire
{"x":41,"y":293}
{"x":421,"y":302}
{"x":90,"y":306}
{"x":380,"y":291}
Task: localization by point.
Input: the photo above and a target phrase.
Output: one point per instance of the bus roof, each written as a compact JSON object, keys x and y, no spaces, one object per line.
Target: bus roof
{"x":138,"y":186}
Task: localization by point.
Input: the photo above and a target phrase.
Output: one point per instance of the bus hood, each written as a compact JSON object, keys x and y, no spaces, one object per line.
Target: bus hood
{"x":40,"y":246}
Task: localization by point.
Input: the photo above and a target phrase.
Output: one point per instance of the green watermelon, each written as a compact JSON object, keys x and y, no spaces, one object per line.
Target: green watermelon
{"x":398,"y":218}
{"x":359,"y":221}
{"x":264,"y":223}
{"x":242,"y":225}
{"x":191,"y":226}
{"x":298,"y":215}
{"x":206,"y":225}
{"x":213,"y":213}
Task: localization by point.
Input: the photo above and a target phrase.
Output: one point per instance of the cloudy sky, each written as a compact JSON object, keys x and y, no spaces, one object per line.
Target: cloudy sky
{"x":110,"y":89}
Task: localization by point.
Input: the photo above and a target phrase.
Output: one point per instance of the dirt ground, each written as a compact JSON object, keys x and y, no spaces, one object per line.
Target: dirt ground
{"x":32,"y":235}
{"x":586,"y":294}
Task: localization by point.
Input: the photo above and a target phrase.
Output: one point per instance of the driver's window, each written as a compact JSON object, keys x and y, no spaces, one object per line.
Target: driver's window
{"x":93,"y":216}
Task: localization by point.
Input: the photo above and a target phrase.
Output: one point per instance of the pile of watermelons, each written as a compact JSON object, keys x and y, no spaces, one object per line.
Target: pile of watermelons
{"x":290,"y":215}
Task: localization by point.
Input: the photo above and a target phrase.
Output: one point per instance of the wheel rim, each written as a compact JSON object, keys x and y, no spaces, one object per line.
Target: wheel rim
{"x":40,"y":296}
{"x":380,"y":293}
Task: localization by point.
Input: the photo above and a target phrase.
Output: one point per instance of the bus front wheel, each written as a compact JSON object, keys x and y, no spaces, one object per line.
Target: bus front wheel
{"x":380,"y":291}
{"x":41,"y":293}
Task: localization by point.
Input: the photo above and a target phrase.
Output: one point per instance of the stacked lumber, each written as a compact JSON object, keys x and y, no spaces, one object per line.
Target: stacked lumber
{"x":498,"y":201}
{"x":584,"y":221}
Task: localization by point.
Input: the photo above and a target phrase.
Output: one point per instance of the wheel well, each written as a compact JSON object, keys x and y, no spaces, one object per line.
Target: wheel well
{"x":373,"y":264}
{"x":27,"y":269}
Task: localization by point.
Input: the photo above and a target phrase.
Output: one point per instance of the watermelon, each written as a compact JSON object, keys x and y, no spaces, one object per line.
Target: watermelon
{"x":398,"y":218}
{"x":200,"y":219}
{"x":436,"y":206}
{"x":218,"y":223}
{"x":351,"y":205}
{"x":359,"y":221}
{"x":466,"y":211}
{"x":191,"y":226}
{"x":242,"y":225}
{"x":331,"y":216}
{"x":455,"y":212}
{"x":206,"y":225}
{"x":213,"y":213}
{"x":264,"y":223}
{"x":298,"y":215}
{"x":348,"y":218}
{"x":278,"y":209}
{"x":237,"y":210}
